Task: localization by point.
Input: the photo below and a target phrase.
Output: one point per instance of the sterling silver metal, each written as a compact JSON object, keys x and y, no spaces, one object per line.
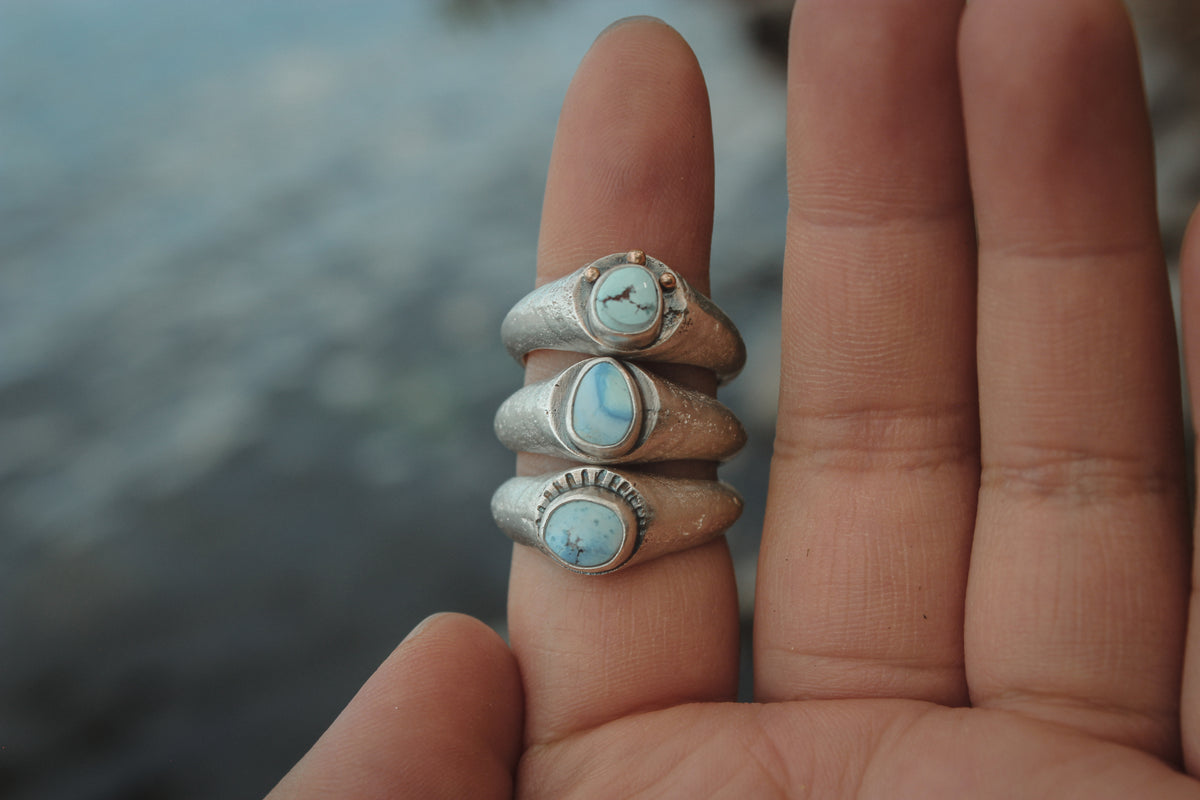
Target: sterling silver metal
{"x":687,"y":328}
{"x":656,"y":515}
{"x":668,"y":421}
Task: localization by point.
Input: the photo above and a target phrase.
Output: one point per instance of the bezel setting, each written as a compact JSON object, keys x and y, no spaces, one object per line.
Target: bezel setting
{"x":567,"y":420}
{"x":604,"y":488}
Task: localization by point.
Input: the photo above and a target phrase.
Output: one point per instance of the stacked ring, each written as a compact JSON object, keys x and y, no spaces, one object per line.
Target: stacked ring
{"x":627,"y":305}
{"x":605,"y":410}
{"x":596,"y":520}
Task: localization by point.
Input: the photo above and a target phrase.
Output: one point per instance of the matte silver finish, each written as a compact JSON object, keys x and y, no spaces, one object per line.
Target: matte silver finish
{"x":690,"y":328}
{"x":671,"y":514}
{"x":671,"y":422}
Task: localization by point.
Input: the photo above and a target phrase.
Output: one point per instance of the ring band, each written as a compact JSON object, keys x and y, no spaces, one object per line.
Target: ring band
{"x":627,"y":305}
{"x":595,"y":520}
{"x":603,"y":411}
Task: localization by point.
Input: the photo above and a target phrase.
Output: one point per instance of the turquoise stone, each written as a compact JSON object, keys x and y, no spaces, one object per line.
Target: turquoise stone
{"x":584,"y":533}
{"x":626,"y":299}
{"x":602,"y":413}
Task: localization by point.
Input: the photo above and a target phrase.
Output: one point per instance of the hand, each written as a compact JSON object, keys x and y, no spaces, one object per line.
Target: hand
{"x":974,"y":570}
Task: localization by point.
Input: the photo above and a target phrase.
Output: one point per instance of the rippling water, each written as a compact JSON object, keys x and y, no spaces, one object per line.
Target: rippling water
{"x":253,"y":258}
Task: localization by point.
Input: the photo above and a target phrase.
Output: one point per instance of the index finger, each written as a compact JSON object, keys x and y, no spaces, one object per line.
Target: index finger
{"x":632,"y":169}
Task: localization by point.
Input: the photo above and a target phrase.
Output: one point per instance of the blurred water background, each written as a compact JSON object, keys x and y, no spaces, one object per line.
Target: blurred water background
{"x":253,"y":261}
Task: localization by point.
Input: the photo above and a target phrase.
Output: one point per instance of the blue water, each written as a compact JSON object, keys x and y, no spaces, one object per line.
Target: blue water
{"x":253,"y":260}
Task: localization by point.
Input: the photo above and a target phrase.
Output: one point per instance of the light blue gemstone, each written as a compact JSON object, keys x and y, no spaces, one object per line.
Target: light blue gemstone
{"x":602,"y":413}
{"x":626,"y":299}
{"x":584,"y":533}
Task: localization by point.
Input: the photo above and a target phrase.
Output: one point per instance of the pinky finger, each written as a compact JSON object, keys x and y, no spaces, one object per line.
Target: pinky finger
{"x":1189,"y":264}
{"x":440,"y":718}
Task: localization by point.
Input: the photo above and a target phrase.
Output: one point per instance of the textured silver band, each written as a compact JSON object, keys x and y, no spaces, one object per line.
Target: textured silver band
{"x":625,"y":415}
{"x":595,"y":520}
{"x":670,"y":321}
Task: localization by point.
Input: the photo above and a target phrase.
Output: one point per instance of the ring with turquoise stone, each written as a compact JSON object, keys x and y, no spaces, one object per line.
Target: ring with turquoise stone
{"x":594,"y":520}
{"x":627,"y":305}
{"x":604,"y":411}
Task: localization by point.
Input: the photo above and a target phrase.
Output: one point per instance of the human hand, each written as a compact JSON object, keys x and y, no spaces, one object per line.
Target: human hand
{"x":974,"y":569}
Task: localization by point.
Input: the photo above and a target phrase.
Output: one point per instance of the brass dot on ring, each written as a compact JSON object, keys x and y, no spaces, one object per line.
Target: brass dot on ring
{"x":636,"y":257}
{"x":667,"y":280}
{"x":590,"y":274}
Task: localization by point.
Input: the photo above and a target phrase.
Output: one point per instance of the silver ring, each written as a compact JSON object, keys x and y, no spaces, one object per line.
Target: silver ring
{"x":594,"y":520}
{"x":603,"y":411}
{"x":627,"y":305}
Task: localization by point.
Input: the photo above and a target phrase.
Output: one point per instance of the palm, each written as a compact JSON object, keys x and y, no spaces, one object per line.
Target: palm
{"x":844,"y":748}
{"x":973,"y":578}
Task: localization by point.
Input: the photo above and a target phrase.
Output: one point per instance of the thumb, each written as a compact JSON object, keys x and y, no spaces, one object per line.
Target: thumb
{"x":440,"y":718}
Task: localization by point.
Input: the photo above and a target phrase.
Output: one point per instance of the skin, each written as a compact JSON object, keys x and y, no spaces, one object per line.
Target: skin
{"x":974,"y":578}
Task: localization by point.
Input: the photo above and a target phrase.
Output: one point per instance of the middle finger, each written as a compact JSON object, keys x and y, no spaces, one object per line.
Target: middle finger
{"x":865,"y":552}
